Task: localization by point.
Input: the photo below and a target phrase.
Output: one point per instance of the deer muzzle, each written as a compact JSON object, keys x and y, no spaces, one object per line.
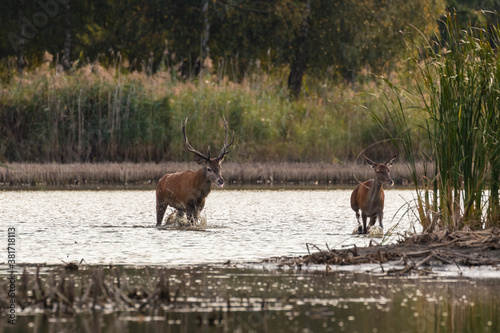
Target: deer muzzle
{"x":220,"y":182}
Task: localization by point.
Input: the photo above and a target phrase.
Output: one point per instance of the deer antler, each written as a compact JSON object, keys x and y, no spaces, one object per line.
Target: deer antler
{"x":224,"y":151}
{"x":189,"y":147}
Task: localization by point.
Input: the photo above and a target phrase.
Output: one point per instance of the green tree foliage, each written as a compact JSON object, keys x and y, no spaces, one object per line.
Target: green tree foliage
{"x":351,"y":35}
{"x":164,"y":38}
{"x":346,"y":35}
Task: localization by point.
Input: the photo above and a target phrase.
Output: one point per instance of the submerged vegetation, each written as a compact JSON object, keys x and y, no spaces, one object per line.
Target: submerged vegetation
{"x":227,"y":298}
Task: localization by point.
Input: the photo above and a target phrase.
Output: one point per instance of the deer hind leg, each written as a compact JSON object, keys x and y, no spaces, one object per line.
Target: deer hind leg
{"x":160,"y":212}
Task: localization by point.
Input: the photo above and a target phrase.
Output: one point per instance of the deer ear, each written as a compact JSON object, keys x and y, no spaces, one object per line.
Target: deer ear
{"x":390,"y":162}
{"x":370,"y":162}
{"x":200,"y":160}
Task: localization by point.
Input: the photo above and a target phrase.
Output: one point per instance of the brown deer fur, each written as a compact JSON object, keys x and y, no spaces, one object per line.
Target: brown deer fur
{"x":186,"y":191}
{"x":369,"y":196}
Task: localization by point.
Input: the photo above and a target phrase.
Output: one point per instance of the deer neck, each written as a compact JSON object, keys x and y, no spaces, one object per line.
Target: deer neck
{"x":375,"y":190}
{"x":202,"y":182}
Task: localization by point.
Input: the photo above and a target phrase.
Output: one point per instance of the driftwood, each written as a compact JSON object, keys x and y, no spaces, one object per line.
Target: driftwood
{"x":468,"y":248}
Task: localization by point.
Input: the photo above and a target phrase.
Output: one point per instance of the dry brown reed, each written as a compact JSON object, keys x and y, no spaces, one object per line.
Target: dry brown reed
{"x":148,"y":174}
{"x":97,"y":289}
{"x":468,"y":248}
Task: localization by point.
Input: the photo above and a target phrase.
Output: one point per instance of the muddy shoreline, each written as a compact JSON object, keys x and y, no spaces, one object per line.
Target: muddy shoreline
{"x":414,"y":254}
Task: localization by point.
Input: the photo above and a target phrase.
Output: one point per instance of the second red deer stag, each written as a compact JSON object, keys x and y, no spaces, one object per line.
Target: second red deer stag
{"x":186,"y":191}
{"x":369,"y":196}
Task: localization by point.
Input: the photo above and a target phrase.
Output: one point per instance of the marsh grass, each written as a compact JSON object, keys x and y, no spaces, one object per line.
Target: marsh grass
{"x":459,"y":85}
{"x":147,"y":174}
{"x":98,"y":114}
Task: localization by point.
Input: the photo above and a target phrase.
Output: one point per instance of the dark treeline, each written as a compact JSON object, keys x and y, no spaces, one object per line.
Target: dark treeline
{"x":340,"y":36}
{"x":94,"y":81}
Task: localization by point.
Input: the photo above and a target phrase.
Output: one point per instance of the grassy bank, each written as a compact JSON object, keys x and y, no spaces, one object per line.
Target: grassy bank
{"x":101,"y":115}
{"x":147,"y":174}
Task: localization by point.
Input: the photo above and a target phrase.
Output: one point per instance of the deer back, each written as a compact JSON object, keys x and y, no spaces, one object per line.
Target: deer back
{"x":181,"y":188}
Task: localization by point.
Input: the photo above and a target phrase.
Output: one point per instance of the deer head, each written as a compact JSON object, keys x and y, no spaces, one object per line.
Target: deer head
{"x":382,"y":170}
{"x":211,"y":166}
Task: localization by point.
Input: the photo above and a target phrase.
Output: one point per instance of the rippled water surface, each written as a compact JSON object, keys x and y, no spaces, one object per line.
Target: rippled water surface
{"x":117,"y":227}
{"x":217,"y":299}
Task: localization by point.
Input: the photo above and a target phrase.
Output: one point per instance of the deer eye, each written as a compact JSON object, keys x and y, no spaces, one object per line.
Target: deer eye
{"x":209,"y":169}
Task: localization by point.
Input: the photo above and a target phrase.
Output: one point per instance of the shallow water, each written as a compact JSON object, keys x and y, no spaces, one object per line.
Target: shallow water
{"x":104,"y":227}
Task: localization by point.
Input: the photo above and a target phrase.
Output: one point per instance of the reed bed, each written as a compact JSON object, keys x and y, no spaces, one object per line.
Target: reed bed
{"x":147,"y":174}
{"x":459,"y":84}
{"x":96,"y":115}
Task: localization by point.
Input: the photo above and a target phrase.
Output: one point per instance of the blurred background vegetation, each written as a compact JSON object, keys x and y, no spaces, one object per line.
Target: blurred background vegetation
{"x":95,"y":81}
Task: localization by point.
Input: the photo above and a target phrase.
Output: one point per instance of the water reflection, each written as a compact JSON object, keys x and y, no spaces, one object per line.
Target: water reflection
{"x":243,"y":300}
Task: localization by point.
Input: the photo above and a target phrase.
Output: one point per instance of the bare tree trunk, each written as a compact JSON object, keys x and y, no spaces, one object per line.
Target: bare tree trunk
{"x":21,"y":60}
{"x":205,"y":36}
{"x":206,"y":31}
{"x":299,"y":62}
{"x":66,"y":59}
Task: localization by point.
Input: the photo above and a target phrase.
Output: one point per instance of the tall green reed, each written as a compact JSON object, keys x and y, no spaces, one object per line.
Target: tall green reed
{"x":458,"y":86}
{"x":103,"y":115}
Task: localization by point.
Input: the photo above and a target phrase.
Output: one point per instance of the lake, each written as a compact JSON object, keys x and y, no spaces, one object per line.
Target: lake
{"x":243,"y":227}
{"x":117,"y":227}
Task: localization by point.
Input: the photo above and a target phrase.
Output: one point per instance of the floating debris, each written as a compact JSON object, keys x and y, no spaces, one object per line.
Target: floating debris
{"x":468,"y":248}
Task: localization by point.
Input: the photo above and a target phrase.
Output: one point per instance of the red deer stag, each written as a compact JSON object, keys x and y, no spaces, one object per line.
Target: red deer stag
{"x":369,"y":196}
{"x":186,"y":191}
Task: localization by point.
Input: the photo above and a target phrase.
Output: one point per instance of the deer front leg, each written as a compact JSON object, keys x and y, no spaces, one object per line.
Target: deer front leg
{"x":364,"y":217}
{"x":360,"y":228}
{"x":373,"y":219}
{"x":380,"y":216}
{"x":160,"y":212}
{"x":357,"y":217}
{"x":192,"y":215}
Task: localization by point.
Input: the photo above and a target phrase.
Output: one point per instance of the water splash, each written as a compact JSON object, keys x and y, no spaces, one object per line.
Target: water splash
{"x":178,"y":220}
